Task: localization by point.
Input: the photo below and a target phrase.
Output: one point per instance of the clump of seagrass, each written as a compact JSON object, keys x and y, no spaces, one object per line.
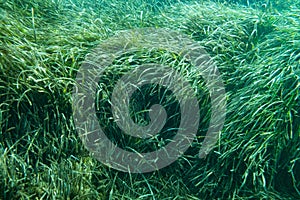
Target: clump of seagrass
{"x":256,"y":50}
{"x":146,"y":96}
{"x":258,"y":149}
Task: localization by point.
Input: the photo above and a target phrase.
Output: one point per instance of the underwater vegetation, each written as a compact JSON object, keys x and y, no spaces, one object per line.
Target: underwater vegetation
{"x":256,"y":46}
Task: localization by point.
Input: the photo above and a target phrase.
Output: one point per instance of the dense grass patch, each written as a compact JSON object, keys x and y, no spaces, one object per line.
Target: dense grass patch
{"x":43,"y":44}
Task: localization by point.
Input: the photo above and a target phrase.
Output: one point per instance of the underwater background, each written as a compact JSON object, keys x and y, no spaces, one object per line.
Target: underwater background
{"x":256,"y":47}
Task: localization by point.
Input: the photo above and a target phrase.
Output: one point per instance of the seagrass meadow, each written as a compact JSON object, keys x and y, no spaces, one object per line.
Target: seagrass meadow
{"x":256,"y":47}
